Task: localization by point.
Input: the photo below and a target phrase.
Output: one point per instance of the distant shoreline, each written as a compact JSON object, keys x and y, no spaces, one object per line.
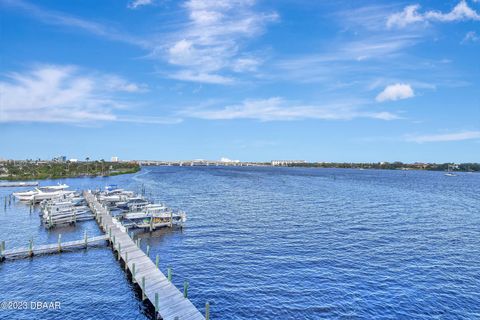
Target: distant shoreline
{"x":463,"y":167}
{"x":35,"y":170}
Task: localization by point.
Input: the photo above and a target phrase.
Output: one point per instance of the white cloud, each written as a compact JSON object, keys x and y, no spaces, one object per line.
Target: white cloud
{"x":62,"y":19}
{"x":203,"y":77}
{"x":471,"y":36}
{"x":408,"y":16}
{"x":395,"y":92}
{"x":52,"y":93}
{"x":411,"y":14}
{"x":211,"y":42}
{"x":457,"y":136}
{"x":139,"y":3}
{"x":116,"y":83}
{"x":278,"y":109}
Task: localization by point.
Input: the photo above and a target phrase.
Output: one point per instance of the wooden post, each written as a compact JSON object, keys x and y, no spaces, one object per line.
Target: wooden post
{"x":86,"y":239}
{"x":151,"y":223}
{"x":207,"y":311}
{"x":148,"y":250}
{"x":185,"y":289}
{"x":171,"y":219}
{"x":143,"y":288}
{"x":156,"y":303}
{"x":51,"y":221}
{"x":2,"y":249}
{"x":157,"y":260}
{"x":113,"y":243}
{"x":169,"y":274}
{"x":119,"y":251}
{"x":133,"y":272}
{"x":59,"y":242}
{"x":126,"y":260}
{"x":110,"y":234}
{"x":30,"y":248}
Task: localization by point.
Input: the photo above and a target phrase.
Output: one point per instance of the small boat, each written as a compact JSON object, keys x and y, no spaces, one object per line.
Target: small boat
{"x":450,"y":172}
{"x":43,"y":193}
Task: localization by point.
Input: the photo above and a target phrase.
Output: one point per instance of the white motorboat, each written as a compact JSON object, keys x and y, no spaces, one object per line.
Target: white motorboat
{"x":39,"y":195}
{"x":27,"y":195}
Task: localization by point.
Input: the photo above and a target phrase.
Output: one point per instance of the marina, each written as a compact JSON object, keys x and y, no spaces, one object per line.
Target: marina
{"x":59,"y":206}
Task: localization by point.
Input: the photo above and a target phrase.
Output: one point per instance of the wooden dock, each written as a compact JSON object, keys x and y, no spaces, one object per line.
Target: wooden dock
{"x":168,"y":301}
{"x":33,"y":250}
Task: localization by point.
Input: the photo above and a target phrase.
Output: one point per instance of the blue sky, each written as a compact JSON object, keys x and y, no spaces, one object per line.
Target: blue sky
{"x":251,"y":80}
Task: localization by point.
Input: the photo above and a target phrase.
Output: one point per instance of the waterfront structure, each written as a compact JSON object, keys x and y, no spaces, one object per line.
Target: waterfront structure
{"x":60,"y":159}
{"x":287,"y":162}
{"x":168,"y":301}
{"x":114,"y":159}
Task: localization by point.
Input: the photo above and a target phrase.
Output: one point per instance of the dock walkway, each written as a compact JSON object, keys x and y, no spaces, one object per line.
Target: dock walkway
{"x":169,"y":302}
{"x":34,"y":250}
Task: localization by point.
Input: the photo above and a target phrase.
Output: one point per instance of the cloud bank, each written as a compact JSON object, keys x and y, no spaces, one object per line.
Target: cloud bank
{"x":65,"y":94}
{"x":212,"y":39}
{"x":278,"y":109}
{"x":411,"y":15}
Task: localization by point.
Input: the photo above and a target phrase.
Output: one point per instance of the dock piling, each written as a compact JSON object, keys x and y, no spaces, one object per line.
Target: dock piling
{"x":143,"y":288}
{"x":30,"y":247}
{"x":86,"y":239}
{"x":133,"y":272}
{"x":185,"y":289}
{"x":148,"y":250}
{"x":156,"y":303}
{"x":59,"y":242}
{"x":126,"y":260}
{"x":207,"y":311}
{"x":2,"y":249}
{"x":119,"y":251}
{"x":157,"y":260}
{"x":169,"y":274}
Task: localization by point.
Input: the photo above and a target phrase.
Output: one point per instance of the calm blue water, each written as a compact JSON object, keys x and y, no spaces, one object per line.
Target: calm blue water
{"x":274,"y":243}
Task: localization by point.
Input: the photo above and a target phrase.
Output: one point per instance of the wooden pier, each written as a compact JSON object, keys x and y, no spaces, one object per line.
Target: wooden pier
{"x":33,"y":250}
{"x":168,"y":301}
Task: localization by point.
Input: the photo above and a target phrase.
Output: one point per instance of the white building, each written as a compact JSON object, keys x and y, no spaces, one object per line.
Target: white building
{"x":286,"y":162}
{"x":114,"y":159}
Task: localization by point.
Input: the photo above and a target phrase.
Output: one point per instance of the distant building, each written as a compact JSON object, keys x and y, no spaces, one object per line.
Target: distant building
{"x":60,"y":159}
{"x":114,"y":159}
{"x":223,"y":159}
{"x":73,"y":160}
{"x":286,"y":162}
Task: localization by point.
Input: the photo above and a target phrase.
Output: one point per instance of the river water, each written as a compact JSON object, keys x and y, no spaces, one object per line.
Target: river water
{"x":271,"y":243}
